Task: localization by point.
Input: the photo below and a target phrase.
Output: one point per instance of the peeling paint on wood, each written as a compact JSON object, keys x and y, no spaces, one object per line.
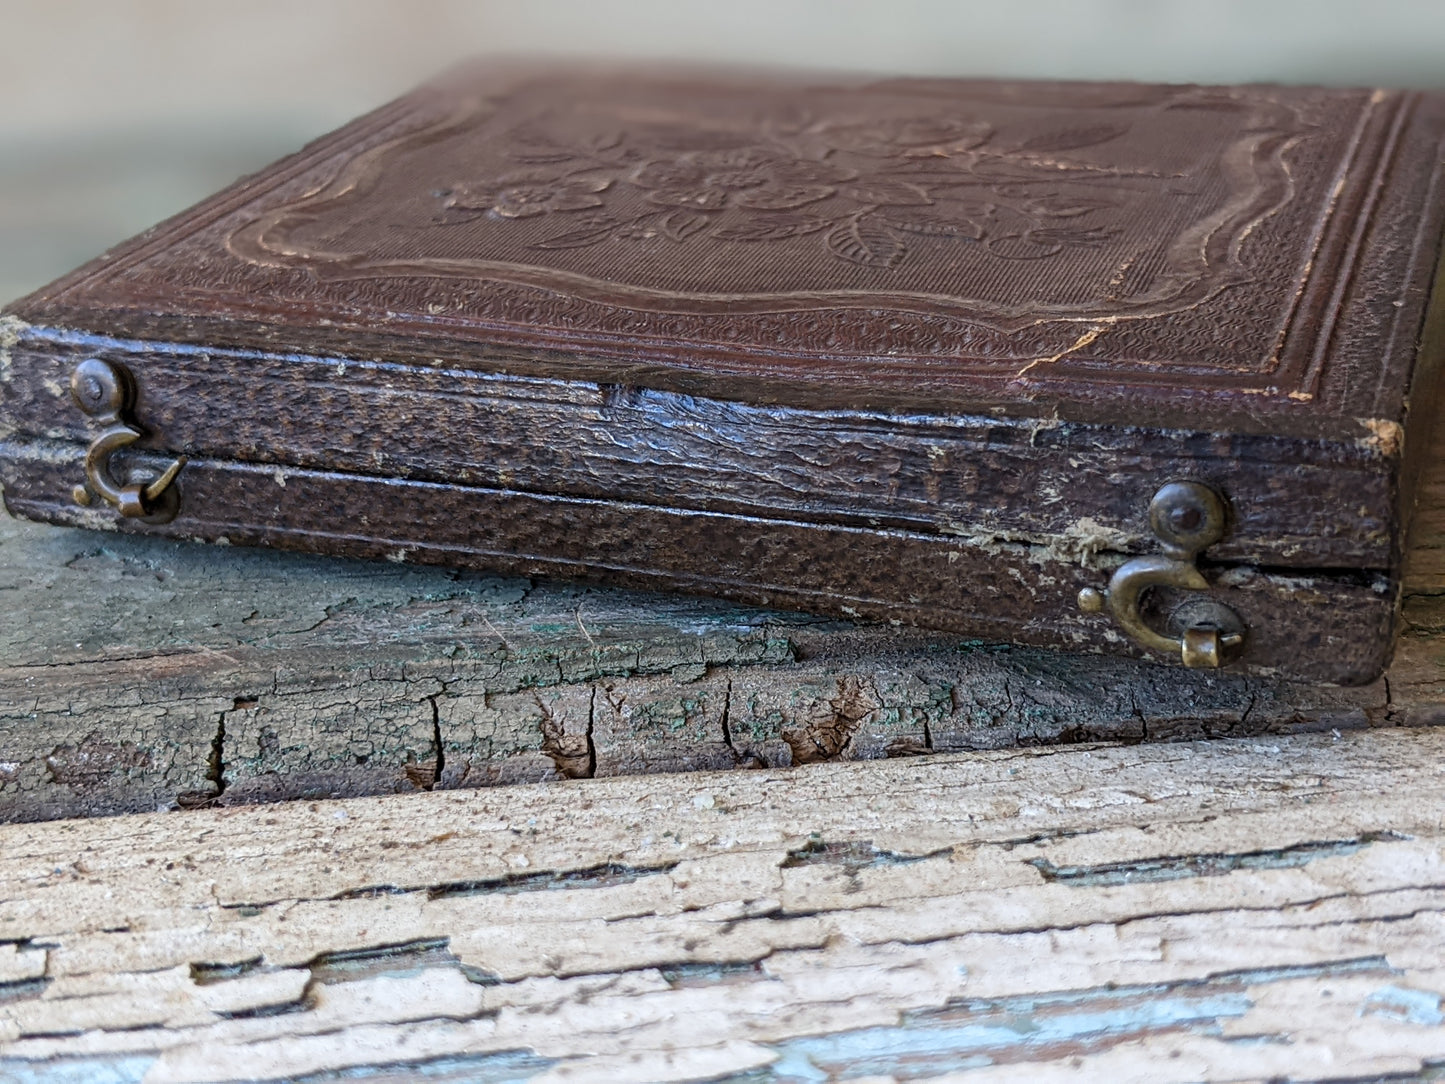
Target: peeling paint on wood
{"x":1241,"y":909}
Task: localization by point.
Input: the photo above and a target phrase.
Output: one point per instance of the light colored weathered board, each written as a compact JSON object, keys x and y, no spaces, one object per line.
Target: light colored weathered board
{"x":1230,"y":910}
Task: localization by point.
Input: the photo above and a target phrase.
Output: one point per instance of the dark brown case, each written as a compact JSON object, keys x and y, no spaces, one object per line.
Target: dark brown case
{"x":918,"y":350}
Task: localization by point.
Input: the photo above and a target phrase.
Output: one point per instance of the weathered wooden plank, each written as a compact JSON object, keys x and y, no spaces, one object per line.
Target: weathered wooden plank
{"x":1238,"y":909}
{"x":137,"y":674}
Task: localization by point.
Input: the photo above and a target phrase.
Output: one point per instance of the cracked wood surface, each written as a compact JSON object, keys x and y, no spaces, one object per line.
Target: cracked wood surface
{"x":1241,"y":909}
{"x":139,"y":674}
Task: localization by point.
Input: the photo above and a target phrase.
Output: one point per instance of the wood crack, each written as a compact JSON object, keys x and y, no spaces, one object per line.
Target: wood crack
{"x":1172,"y":867}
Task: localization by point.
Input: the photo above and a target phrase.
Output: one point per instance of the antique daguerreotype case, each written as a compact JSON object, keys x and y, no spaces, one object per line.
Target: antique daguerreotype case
{"x":1109,"y":367}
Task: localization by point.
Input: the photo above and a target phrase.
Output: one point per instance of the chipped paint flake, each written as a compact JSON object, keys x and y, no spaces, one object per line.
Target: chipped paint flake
{"x":1085,"y":542}
{"x":1420,"y":1007}
{"x":1385,"y":439}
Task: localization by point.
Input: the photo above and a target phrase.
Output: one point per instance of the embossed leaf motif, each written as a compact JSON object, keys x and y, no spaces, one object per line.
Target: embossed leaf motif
{"x":680,"y":225}
{"x":1069,"y":139}
{"x":534,"y":148}
{"x":782,"y":197}
{"x":772,"y":228}
{"x":963,"y":228}
{"x":600,"y":142}
{"x":667,"y":175}
{"x":866,"y":241}
{"x":702,"y":199}
{"x":590,"y":234}
{"x":1041,"y":244}
{"x":891,"y":193}
{"x":1084,"y":238}
{"x":958,"y":132}
{"x":922,"y":135}
{"x":1064,"y":206}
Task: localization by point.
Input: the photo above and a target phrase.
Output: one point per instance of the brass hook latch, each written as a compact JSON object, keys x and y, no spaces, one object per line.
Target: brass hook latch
{"x":106,"y":393}
{"x":1185,"y":517}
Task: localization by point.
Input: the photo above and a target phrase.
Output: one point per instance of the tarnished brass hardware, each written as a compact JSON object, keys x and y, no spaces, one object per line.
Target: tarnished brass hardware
{"x":106,"y":392}
{"x":1185,"y":517}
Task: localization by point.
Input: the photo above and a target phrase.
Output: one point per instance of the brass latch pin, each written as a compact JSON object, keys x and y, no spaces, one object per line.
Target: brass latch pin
{"x":106,"y":392}
{"x":1186,"y":517}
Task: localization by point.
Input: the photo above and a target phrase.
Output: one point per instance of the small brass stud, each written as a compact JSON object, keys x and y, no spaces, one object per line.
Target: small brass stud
{"x":1200,"y":649}
{"x":1185,"y":519}
{"x":81,"y":496}
{"x":1091,"y":600}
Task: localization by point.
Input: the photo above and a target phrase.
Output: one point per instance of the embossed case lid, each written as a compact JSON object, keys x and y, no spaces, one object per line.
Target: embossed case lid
{"x":905,"y":348}
{"x":1252,"y":258}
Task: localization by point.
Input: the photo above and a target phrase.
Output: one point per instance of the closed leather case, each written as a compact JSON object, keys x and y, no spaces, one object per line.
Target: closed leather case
{"x":905,"y":349}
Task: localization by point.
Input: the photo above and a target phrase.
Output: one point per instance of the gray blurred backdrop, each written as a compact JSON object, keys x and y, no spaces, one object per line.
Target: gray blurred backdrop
{"x":118,"y":113}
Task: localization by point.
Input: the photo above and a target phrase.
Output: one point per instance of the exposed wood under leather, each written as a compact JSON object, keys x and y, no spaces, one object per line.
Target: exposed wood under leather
{"x":1234,"y":910}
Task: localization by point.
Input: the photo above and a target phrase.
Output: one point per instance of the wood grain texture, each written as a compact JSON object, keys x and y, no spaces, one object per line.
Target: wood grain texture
{"x":1232,"y":910}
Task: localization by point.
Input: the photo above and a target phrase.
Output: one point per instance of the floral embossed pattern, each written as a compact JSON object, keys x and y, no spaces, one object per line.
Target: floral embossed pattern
{"x":1044,"y":202}
{"x":939,"y":176}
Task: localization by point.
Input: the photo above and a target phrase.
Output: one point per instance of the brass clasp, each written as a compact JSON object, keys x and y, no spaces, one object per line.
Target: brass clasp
{"x":1186,"y":517}
{"x":106,"y":393}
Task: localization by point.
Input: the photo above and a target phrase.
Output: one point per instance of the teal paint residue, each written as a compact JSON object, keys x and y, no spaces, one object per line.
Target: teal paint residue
{"x":114,"y":1070}
{"x":1414,"y":1006}
{"x":939,"y":1042}
{"x":1178,"y":867}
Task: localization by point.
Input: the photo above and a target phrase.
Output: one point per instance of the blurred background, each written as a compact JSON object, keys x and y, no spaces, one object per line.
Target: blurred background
{"x":120,"y":112}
